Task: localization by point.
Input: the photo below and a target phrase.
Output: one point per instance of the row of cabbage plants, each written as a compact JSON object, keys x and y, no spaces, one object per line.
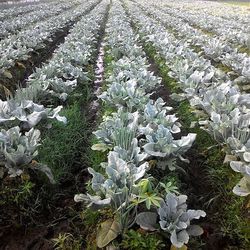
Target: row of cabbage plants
{"x":240,"y":25}
{"x":17,"y":47}
{"x":225,"y":111}
{"x":23,"y":113}
{"x":18,"y":23}
{"x":19,"y":10}
{"x":216,"y":49}
{"x":237,"y":30}
{"x":140,"y":129}
{"x":215,"y":8}
{"x":60,"y":75}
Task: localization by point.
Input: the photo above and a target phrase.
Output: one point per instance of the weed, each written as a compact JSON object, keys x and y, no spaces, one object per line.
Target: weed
{"x":62,"y":147}
{"x":61,"y":144}
{"x":66,"y":241}
{"x":135,"y":240}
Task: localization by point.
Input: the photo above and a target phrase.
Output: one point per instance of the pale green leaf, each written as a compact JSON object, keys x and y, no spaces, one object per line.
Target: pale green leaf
{"x":100,"y":147}
{"x":7,"y":74}
{"x":107,"y":232}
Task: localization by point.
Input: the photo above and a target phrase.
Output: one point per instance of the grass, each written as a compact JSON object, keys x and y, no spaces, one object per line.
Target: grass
{"x":62,"y":149}
{"x":243,"y":49}
{"x":63,"y":145}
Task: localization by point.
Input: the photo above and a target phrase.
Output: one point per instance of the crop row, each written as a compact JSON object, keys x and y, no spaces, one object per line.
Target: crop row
{"x":237,"y":32}
{"x":215,"y":48}
{"x":14,"y":25}
{"x":18,"y":47}
{"x":232,"y":18}
{"x":138,"y":130}
{"x":19,"y":11}
{"x":228,"y":12}
{"x":26,"y":110}
{"x":60,"y":75}
{"x":225,"y":109}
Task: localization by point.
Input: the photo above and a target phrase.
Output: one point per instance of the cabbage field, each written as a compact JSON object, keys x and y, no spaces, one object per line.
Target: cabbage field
{"x":125,"y":124}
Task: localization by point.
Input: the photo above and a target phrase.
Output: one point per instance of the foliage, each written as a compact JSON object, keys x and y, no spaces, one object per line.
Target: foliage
{"x":17,"y":151}
{"x":66,"y":241}
{"x":141,"y":240}
{"x":135,"y":132}
{"x":175,"y":219}
{"x":65,"y":141}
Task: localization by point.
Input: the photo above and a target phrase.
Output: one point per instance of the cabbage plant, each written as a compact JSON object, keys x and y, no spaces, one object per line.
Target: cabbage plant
{"x":27,"y":112}
{"x":117,"y":130}
{"x":17,"y":151}
{"x":175,"y":219}
{"x":117,"y":186}
{"x":243,"y":167}
{"x":127,"y":69}
{"x":127,"y":94}
{"x":162,"y":143}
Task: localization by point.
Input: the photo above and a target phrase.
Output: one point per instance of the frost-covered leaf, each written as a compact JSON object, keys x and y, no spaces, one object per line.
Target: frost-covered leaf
{"x":46,"y":170}
{"x":243,"y":187}
{"x":175,"y":219}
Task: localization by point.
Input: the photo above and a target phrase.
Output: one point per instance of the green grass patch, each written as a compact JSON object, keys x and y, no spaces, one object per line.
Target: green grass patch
{"x":135,"y":240}
{"x":244,"y":49}
{"x":63,"y":145}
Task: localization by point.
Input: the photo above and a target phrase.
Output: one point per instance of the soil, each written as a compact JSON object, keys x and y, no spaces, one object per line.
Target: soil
{"x":53,"y":219}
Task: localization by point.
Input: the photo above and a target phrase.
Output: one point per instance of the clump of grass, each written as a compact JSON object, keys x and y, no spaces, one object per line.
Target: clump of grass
{"x":134,"y":240}
{"x":63,"y":145}
{"x":244,"y":49}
